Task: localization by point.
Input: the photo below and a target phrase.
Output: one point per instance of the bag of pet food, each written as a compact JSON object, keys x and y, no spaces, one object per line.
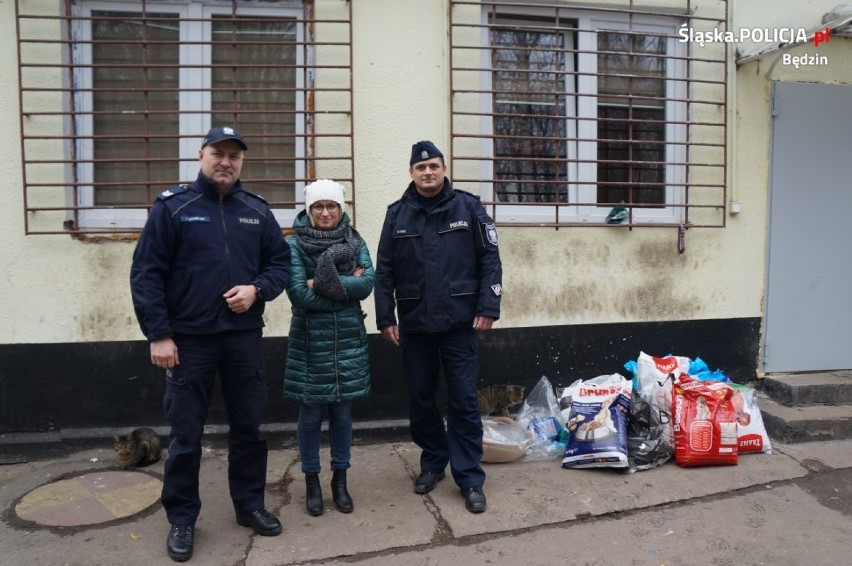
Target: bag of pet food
{"x":597,"y":429}
{"x":751,"y":431}
{"x":650,"y":442}
{"x":705,"y":423}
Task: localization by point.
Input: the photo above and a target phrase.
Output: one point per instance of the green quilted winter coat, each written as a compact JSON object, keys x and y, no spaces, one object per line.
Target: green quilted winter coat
{"x":327,"y":356}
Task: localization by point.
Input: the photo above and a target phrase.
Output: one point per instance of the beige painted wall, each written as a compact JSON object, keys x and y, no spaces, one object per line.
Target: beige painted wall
{"x":56,"y":289}
{"x":752,"y":129}
{"x":52,"y":288}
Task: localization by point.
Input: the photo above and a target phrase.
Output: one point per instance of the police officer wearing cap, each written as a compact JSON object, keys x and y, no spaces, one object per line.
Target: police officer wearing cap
{"x":209,"y":258}
{"x":438,"y":269}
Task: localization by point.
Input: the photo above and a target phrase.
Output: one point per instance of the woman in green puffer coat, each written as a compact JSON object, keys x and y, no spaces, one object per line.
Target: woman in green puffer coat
{"x":328,"y":364}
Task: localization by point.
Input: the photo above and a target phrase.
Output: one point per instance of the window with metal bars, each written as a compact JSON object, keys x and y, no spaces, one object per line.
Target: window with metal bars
{"x":563,"y":115}
{"x":116,"y":97}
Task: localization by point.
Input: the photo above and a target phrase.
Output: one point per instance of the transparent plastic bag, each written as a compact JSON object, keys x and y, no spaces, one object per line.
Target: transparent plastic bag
{"x":540,"y":415}
{"x":504,"y":440}
{"x":540,"y":412}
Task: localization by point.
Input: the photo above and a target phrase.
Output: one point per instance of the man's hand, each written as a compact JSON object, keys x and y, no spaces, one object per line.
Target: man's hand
{"x":482,"y":323}
{"x":240,"y":298}
{"x":164,"y":353}
{"x":391,"y":334}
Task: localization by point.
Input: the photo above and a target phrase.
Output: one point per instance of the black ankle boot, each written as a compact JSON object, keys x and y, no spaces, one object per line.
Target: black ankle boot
{"x":339,"y":494}
{"x":313,"y":495}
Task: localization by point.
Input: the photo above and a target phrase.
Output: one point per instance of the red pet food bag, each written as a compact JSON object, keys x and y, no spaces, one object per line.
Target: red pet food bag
{"x":705,"y":423}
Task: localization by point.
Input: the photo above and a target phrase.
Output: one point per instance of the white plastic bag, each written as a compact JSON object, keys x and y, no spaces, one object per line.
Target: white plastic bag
{"x":650,"y":438}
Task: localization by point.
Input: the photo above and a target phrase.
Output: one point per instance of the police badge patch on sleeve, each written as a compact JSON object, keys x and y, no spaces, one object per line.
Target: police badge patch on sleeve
{"x":491,"y":233}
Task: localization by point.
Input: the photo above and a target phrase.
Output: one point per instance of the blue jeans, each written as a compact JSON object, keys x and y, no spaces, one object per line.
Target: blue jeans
{"x":339,"y":435}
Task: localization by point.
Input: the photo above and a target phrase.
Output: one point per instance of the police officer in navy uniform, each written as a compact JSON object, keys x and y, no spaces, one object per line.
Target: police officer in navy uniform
{"x":209,"y":258}
{"x":438,"y":267}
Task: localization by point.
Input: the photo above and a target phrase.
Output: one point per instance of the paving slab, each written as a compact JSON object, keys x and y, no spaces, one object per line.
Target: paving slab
{"x":387,"y":512}
{"x":526,"y":494}
{"x":835,"y":454}
{"x":750,"y":529}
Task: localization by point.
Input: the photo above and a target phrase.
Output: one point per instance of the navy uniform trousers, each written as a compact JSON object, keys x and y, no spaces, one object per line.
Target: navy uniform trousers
{"x":460,"y":444}
{"x":237,"y":357}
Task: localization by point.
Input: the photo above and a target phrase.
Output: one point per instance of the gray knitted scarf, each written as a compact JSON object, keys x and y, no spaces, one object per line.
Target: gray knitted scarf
{"x":334,"y":251}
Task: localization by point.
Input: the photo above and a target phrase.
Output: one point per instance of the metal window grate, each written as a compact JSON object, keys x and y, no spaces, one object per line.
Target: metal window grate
{"x":562,"y":112}
{"x":113,"y":109}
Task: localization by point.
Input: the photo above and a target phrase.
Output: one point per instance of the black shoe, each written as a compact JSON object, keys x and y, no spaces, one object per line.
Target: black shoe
{"x":179,"y":543}
{"x":339,"y":493}
{"x":262,"y":521}
{"x":474,"y":499}
{"x":313,"y":495}
{"x":427,"y":481}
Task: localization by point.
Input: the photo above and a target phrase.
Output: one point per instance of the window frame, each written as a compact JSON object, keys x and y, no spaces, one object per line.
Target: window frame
{"x":195,"y":49}
{"x":581,"y":152}
{"x":675,"y":114}
{"x":532,"y":212}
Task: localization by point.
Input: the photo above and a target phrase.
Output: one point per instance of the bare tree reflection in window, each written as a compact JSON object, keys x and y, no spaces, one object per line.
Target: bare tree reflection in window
{"x":529,"y":115}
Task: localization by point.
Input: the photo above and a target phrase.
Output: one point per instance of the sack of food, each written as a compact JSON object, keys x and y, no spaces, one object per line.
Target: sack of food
{"x":597,"y":428}
{"x":705,"y":423}
{"x":751,"y":431}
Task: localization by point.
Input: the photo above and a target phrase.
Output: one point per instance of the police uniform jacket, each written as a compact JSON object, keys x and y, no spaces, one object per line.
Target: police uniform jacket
{"x":440,"y":268}
{"x":327,"y":355}
{"x":195,"y":246}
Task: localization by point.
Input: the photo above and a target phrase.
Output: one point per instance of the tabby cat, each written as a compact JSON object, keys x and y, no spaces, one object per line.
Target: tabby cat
{"x":140,"y":447}
{"x":497,"y":398}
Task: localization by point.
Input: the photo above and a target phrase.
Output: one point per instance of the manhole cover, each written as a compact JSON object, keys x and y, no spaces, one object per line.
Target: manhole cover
{"x":90,"y":499}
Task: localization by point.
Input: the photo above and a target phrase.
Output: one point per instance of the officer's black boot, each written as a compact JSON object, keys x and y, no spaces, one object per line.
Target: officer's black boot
{"x":339,"y":494}
{"x":313,"y":495}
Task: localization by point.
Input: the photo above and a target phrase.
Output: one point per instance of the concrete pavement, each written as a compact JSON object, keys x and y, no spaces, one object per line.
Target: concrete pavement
{"x":790,"y":507}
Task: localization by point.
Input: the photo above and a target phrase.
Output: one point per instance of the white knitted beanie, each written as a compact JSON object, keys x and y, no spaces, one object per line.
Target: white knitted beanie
{"x":324,"y":189}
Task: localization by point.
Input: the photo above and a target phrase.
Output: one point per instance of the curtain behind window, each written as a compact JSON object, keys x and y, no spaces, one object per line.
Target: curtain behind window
{"x":135,"y":82}
{"x":259,"y":58}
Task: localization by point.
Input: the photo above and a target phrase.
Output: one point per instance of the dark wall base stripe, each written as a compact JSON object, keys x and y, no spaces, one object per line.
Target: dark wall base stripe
{"x":46,"y":387}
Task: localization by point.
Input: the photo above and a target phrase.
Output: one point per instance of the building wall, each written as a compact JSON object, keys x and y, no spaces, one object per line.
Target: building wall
{"x":58,"y":292}
{"x":753,"y":92}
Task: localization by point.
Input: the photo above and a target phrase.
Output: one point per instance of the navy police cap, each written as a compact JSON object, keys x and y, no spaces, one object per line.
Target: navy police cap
{"x":216,"y":135}
{"x":423,"y":150}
